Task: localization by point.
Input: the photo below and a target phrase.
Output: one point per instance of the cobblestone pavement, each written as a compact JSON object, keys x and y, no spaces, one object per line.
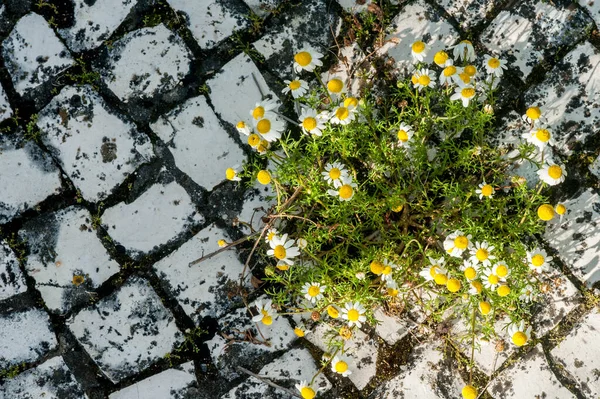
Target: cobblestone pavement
{"x":117,"y":125}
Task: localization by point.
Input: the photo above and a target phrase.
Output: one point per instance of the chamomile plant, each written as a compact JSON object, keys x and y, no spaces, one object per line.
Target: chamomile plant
{"x":381,"y":200}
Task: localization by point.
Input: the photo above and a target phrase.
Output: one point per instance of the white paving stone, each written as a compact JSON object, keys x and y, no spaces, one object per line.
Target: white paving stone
{"x":211,"y":22}
{"x":202,"y":289}
{"x":146,"y":62}
{"x":350,"y":63}
{"x":11,"y":278}
{"x":257,"y":201}
{"x":427,"y":376}
{"x":529,"y":377}
{"x":355,"y":6}
{"x":201,"y":147}
{"x":527,"y":33}
{"x":5,"y":109}
{"x":50,"y":380}
{"x":577,"y":238}
{"x":25,"y":337}
{"x":234,"y":91}
{"x":262,"y":8}
{"x":127,"y":331}
{"x":417,"y":21}
{"x":63,"y":245}
{"x":569,"y":97}
{"x":293,"y":367}
{"x":95,"y":21}
{"x":391,"y":329}
{"x":556,"y":304}
{"x":176,"y":383}
{"x":468,"y":13}
{"x":593,"y":7}
{"x":157,"y":216}
{"x":362,"y":351}
{"x":28,"y":176}
{"x":578,"y":355}
{"x":33,"y":54}
{"x":97,"y":147}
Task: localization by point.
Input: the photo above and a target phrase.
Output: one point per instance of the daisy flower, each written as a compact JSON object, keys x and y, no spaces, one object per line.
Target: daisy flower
{"x":283,"y":250}
{"x":313,"y":291}
{"x":485,"y":190}
{"x":441,"y":58}
{"x":540,"y":137}
{"x":469,"y":392}
{"x":490,"y":280}
{"x":437,"y":267}
{"x":343,"y":115}
{"x":453,"y":285}
{"x":311,"y":123}
{"x":545,"y":212}
{"x":345,"y":191}
{"x":301,"y":331}
{"x":271,"y":234}
{"x":404,"y":134}
{"x":560,"y":209}
{"x":503,"y":290}
{"x":351,"y":102}
{"x":456,"y":243}
{"x":465,"y":93}
{"x":552,"y":174}
{"x":231,"y":174}
{"x":470,"y":70}
{"x":307,"y":60}
{"x":333,"y":312}
{"x":262,"y":109}
{"x":527,"y":294}
{"x":243,"y":128}
{"x":501,"y":269}
{"x":306,"y":390}
{"x":463,"y":77}
{"x":481,"y":253}
{"x":538,"y":260}
{"x":269,"y":128}
{"x":253,"y":140}
{"x":464,"y":51}
{"x":297,"y":87}
{"x":468,"y":269}
{"x":339,"y":365}
{"x":263,"y":177}
{"x":449,"y":74}
{"x":392,"y":288}
{"x":266,"y":313}
{"x":475,"y":287}
{"x":334,"y":173}
{"x":423,"y":78}
{"x":262,"y":147}
{"x":518,"y":334}
{"x":494,"y":66}
{"x":485,"y":307}
{"x":354,"y":313}
{"x":335,"y":86}
{"x":418,"y":51}
{"x":388,"y":268}
{"x":533,"y":115}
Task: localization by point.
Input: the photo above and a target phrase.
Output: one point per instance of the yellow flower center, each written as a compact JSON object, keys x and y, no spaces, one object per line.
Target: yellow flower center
{"x":418,"y":47}
{"x":309,"y":123}
{"x":533,"y":113}
{"x":222,"y":243}
{"x":283,"y":267}
{"x":335,"y":173}
{"x":493,"y":279}
{"x":561,"y":209}
{"x":487,"y":190}
{"x":279,"y":252}
{"x":303,"y":58}
{"x":333,"y":312}
{"x":501,"y":270}
{"x":470,"y":70}
{"x":341,"y":367}
{"x":270,"y":236}
{"x":449,"y":70}
{"x":241,"y":125}
{"x":392,"y":292}
{"x":493,"y":63}
{"x":353,"y":315}
{"x":470,"y":273}
{"x":342,"y":113}
{"x":440,"y":57}
{"x":335,"y":85}
{"x":542,"y":135}
{"x":294,"y":85}
{"x":377,"y":267}
{"x":414,"y":79}
{"x":545,"y":212}
{"x":465,"y":78}
{"x":519,"y":338}
{"x":402,"y":136}
{"x":482,"y":254}
{"x":477,"y":285}
{"x":453,"y":285}
{"x":345,"y":332}
{"x":314,"y":290}
{"x":461,"y":242}
{"x":398,"y":208}
{"x":387,"y":270}
{"x":484,"y":307}
{"x":440,"y":279}
{"x":424,"y":80}
{"x":467,"y":92}
{"x":307,"y":393}
{"x":267,"y":319}
{"x":258,"y":112}
{"x":263,"y":177}
{"x":469,"y":392}
{"x":555,"y":172}
{"x":345,"y":191}
{"x":263,"y":126}
{"x":503,"y":290}
{"x":253,"y":140}
{"x":351,"y":102}
{"x":299,"y":332}
{"x":537,"y":260}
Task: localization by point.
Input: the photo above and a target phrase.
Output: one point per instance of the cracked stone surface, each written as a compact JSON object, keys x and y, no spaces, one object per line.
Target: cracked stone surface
{"x":468,"y":13}
{"x":25,"y":337}
{"x":176,"y":383}
{"x":576,"y":355}
{"x":5,"y":109}
{"x":135,"y":59}
{"x":12,"y":281}
{"x":390,"y":328}
{"x":156,"y":217}
{"x":127,"y":331}
{"x":61,"y":246}
{"x":96,"y":146}
{"x":194,"y":129}
{"x":50,"y":380}
{"x":556,"y":304}
{"x":202,"y":289}
{"x":593,"y":7}
{"x":262,"y":8}
{"x":28,"y":173}
{"x":257,"y":201}
{"x":95,"y":21}
{"x":33,"y":54}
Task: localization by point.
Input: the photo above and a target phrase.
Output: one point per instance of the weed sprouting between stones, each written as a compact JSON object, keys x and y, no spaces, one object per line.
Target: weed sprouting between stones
{"x":379,"y":200}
